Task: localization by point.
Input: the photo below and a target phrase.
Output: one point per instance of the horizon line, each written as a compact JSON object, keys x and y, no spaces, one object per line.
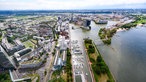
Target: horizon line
{"x":70,"y":9}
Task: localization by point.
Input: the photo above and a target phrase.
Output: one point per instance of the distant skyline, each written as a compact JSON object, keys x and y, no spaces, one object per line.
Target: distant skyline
{"x":70,"y":4}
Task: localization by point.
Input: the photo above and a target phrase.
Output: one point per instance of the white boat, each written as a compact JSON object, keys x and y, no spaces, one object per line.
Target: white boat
{"x":86,"y":73}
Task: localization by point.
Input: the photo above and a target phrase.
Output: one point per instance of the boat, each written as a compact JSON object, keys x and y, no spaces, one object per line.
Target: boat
{"x":86,"y":38}
{"x":88,"y":28}
{"x":86,"y":73}
{"x":101,"y":22}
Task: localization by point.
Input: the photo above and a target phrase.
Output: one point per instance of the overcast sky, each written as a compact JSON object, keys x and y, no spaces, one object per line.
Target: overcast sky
{"x":70,"y":4}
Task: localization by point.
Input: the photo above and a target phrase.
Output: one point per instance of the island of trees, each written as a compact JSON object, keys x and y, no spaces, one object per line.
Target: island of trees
{"x":106,"y":34}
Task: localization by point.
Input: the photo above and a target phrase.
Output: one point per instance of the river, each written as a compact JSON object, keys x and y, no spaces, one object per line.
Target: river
{"x":126,"y":56}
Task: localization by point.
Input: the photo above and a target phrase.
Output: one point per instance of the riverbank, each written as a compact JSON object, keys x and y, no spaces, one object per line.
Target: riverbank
{"x":99,"y":68}
{"x":106,"y":34}
{"x":124,"y":52}
{"x":138,"y":20}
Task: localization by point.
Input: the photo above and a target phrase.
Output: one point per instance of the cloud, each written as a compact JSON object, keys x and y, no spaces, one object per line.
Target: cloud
{"x":64,"y":4}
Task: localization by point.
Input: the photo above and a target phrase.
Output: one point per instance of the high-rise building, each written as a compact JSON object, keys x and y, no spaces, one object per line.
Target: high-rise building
{"x":71,"y":18}
{"x":86,"y":23}
{"x":5,"y":60}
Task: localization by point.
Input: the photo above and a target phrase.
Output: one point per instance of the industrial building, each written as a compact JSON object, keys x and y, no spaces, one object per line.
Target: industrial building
{"x":60,"y":60}
{"x":22,"y":53}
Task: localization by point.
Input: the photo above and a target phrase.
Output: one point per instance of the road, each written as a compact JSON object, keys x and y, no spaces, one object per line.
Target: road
{"x":48,"y":65}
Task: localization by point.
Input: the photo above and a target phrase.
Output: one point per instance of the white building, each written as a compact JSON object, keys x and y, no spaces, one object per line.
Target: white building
{"x":62,"y":43}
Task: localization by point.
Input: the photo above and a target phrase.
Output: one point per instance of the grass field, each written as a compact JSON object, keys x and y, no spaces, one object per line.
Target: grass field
{"x":33,"y":41}
{"x":28,"y":44}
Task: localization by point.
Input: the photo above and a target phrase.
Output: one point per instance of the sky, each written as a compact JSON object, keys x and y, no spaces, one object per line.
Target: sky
{"x":70,"y":4}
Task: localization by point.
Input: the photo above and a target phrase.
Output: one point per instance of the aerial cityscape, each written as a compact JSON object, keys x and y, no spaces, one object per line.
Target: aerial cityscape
{"x":72,"y":41}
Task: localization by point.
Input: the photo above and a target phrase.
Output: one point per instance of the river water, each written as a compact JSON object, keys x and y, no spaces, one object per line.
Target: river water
{"x":126,"y":56}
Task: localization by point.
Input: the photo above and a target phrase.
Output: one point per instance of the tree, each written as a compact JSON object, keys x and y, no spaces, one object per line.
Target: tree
{"x":91,"y":49}
{"x":107,"y":41}
{"x":47,"y":54}
{"x":68,"y":52}
{"x":96,"y":69}
{"x":53,"y":53}
{"x":4,"y":77}
{"x":99,"y":59}
{"x":88,"y":41}
{"x":45,"y":72}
